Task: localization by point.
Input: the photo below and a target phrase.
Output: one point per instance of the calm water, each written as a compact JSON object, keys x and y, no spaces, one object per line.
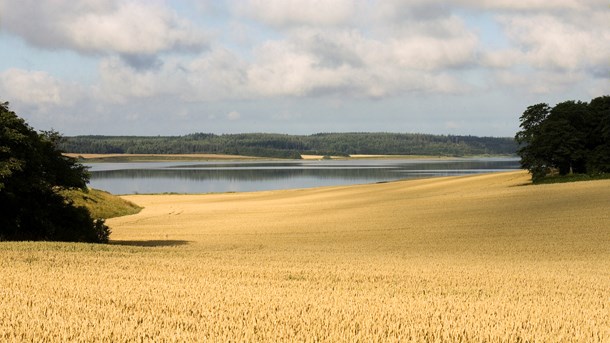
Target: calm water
{"x":206,"y":177}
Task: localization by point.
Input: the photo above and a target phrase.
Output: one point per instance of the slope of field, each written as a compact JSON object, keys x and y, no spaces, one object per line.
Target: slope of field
{"x":482,"y":258}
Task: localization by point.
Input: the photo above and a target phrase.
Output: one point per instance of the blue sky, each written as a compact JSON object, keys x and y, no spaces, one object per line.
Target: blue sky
{"x":297,"y":66}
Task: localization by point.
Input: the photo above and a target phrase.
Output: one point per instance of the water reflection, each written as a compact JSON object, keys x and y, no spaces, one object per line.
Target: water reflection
{"x":204,"y":177}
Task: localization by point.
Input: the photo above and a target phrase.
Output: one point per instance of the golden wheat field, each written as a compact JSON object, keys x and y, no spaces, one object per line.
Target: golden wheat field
{"x":483,"y":258}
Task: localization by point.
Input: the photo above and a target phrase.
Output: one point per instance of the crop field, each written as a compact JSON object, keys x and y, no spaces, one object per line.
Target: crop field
{"x":483,"y":258}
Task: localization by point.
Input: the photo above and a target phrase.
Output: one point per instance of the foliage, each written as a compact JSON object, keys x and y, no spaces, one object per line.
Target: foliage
{"x":573,"y":178}
{"x":572,"y":137}
{"x":292,"y":146}
{"x":32,"y":171}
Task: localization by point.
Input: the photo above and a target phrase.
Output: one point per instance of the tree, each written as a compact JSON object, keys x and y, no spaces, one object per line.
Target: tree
{"x":32,"y":171}
{"x":562,"y":137}
{"x":599,"y":141}
{"x":571,"y":137}
{"x":533,"y":156}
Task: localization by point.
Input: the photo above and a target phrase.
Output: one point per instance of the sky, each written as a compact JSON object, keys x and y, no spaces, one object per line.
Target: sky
{"x":153,"y":67}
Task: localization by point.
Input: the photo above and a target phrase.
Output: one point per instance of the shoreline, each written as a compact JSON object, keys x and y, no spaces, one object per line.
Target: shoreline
{"x":96,"y":158}
{"x":126,"y":158}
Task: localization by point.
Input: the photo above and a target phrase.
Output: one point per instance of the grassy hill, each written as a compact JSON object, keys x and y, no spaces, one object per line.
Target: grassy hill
{"x":102,"y":204}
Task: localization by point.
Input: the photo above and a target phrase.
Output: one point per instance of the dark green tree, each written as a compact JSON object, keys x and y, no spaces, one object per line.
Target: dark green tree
{"x":32,"y":171}
{"x":564,"y":135}
{"x":598,"y":142}
{"x":572,"y":137}
{"x":534,"y":156}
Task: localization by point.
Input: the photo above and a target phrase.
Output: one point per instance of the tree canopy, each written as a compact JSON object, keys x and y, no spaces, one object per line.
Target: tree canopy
{"x":572,"y":137}
{"x":32,"y":172}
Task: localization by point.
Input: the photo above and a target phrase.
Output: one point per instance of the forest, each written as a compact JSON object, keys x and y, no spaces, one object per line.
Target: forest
{"x":293,"y":146}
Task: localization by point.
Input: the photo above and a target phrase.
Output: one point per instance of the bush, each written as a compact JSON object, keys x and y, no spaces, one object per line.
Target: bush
{"x":102,"y":231}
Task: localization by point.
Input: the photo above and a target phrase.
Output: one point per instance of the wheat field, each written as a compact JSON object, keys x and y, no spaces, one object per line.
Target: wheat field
{"x":484,"y":258}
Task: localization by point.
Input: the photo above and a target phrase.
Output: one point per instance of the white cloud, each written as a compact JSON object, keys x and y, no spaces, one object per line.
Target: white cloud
{"x":502,"y":59}
{"x":550,"y":42}
{"x":297,"y":53}
{"x":134,"y":28}
{"x":536,"y":5}
{"x":219,"y":74}
{"x":426,"y":53}
{"x":428,"y":7}
{"x":119,"y":82}
{"x":314,"y":62}
{"x":537,"y":82}
{"x":233,"y":115}
{"x":282,"y":68}
{"x":308,"y":63}
{"x":36,"y":88}
{"x":102,"y":26}
{"x":282,"y":13}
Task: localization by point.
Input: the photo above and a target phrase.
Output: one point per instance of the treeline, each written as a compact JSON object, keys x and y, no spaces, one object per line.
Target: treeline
{"x":292,"y":146}
{"x":571,"y":137}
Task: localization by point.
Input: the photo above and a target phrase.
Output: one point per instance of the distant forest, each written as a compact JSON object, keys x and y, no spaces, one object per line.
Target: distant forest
{"x":292,"y":146}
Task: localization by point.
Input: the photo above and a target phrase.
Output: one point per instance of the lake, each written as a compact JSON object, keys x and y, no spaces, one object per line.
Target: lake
{"x":219,"y":176}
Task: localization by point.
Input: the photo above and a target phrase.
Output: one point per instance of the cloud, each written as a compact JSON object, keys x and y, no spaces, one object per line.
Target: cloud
{"x":276,"y":58}
{"x":142,"y":62}
{"x":212,"y":76}
{"x":551,"y":53}
{"x":119,"y":81}
{"x":282,"y":68}
{"x":233,"y":115}
{"x":307,"y":63}
{"x":549,"y":42}
{"x":537,"y":82}
{"x":219,"y":74}
{"x":313,"y":62}
{"x":535,"y":5}
{"x":409,"y":11}
{"x":286,"y":13}
{"x":360,"y":48}
{"x":102,"y":26}
{"x":36,"y":88}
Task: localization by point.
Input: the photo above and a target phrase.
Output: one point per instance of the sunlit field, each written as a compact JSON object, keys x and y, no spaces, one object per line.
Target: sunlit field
{"x":483,"y":258}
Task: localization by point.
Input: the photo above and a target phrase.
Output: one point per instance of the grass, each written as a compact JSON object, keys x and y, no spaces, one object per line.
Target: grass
{"x":478,"y":258}
{"x":572,"y":178}
{"x":102,"y":204}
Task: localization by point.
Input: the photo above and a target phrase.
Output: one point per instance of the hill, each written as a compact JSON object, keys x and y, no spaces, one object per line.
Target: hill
{"x":101,"y":204}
